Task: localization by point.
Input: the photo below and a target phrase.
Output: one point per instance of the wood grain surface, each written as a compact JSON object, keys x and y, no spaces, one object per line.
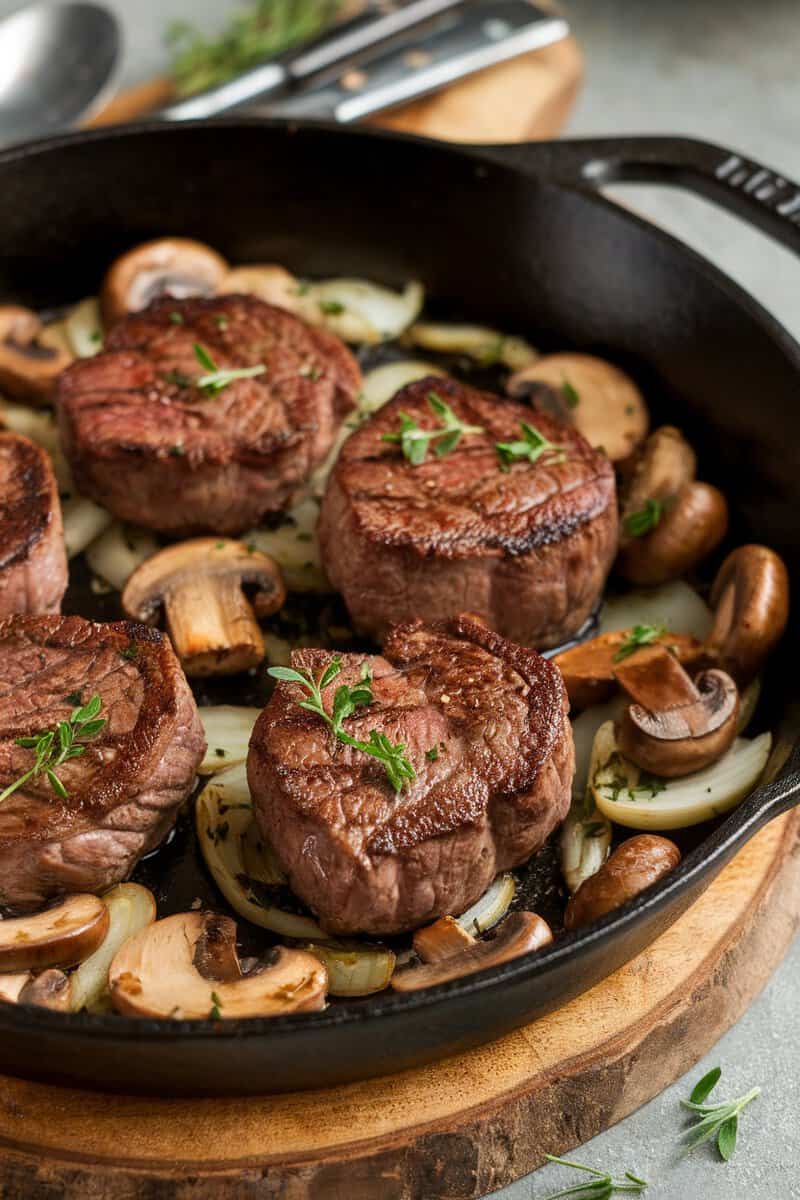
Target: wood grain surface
{"x":452,"y":1130}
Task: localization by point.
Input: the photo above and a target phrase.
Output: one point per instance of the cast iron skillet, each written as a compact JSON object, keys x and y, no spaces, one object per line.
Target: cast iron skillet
{"x":517,"y":235}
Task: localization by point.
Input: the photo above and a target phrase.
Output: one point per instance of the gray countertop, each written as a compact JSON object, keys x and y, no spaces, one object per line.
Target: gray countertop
{"x":725,"y":70}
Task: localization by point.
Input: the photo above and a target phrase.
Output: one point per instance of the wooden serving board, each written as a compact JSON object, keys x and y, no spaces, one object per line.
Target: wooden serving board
{"x":453,"y":1130}
{"x":529,"y":97}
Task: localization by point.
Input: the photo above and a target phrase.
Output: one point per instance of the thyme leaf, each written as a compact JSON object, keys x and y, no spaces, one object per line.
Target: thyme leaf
{"x":415,"y":441}
{"x":531,"y":447}
{"x":720,"y":1121}
{"x":52,"y":747}
{"x":216,"y":378}
{"x":637,"y":524}
{"x":640,"y":635}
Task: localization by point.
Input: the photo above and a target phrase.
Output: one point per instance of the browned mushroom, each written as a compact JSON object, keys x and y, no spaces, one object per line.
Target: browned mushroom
{"x":634,"y":866}
{"x":60,"y":936}
{"x":602,"y":402}
{"x":176,"y":267}
{"x":51,"y":990}
{"x":589,"y":668}
{"x":441,"y":940}
{"x":518,"y":934}
{"x":31,"y":358}
{"x":674,"y":726}
{"x":269,"y":282}
{"x":159,"y":972}
{"x":670,"y":522}
{"x":751,"y":601}
{"x":210,"y":620}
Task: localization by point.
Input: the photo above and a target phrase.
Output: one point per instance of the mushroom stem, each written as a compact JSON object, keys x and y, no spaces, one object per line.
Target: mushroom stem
{"x":212,"y":625}
{"x":518,"y":934}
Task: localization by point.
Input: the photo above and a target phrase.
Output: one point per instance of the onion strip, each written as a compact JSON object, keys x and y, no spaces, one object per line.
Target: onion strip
{"x":492,"y":906}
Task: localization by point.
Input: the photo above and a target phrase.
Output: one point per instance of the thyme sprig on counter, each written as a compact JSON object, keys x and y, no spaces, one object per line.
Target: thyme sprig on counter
{"x":346,"y":700}
{"x":415,"y":441}
{"x":640,"y":635}
{"x":218,"y":378}
{"x":531,"y":446}
{"x":55,"y":746}
{"x":720,"y":1121}
{"x":601,"y":1185}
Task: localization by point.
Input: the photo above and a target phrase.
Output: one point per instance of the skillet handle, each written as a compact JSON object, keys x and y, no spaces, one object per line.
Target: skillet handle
{"x":758,"y":194}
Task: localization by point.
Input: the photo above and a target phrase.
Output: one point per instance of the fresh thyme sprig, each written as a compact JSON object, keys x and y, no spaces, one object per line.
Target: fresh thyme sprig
{"x":533,"y":445}
{"x":415,"y":442}
{"x":637,"y":524}
{"x":601,"y":1186}
{"x":720,"y":1121}
{"x":640,"y":635}
{"x":217,"y":377}
{"x":56,"y":746}
{"x":346,"y":700}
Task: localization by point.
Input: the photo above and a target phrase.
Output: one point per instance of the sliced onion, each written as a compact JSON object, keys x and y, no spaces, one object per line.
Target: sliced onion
{"x":12,"y":985}
{"x":223,"y":816}
{"x":584,"y":728}
{"x":83,"y":522}
{"x":584,"y":844}
{"x":84,"y":328}
{"x":319,"y":480}
{"x":227,"y":728}
{"x":676,"y":606}
{"x":479,"y":342}
{"x":492,"y":906}
{"x":33,"y":423}
{"x":358,"y":310}
{"x":295,"y":548}
{"x":130,"y":908}
{"x":269,"y":281}
{"x":381,"y":383}
{"x":680,"y":802}
{"x":355,"y":970}
{"x":118,"y":551}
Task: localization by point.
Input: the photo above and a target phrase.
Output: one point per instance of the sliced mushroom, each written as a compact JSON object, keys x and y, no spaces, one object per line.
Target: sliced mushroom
{"x":269,"y":282}
{"x":176,"y":267}
{"x":159,"y":973}
{"x":210,"y":620}
{"x":51,"y":989}
{"x":675,"y":726}
{"x":444,"y":938}
{"x":751,"y":601}
{"x":688,"y":530}
{"x":589,"y":668}
{"x":31,"y":357}
{"x":666,"y":463}
{"x":634,"y":866}
{"x":601,"y":401}
{"x":58,"y":937}
{"x":518,"y":934}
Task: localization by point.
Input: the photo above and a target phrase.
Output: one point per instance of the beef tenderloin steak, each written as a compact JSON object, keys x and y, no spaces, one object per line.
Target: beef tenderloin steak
{"x":33,"y":561}
{"x":124,"y":791}
{"x":527,"y":548}
{"x":485,"y":726}
{"x":155,"y":448}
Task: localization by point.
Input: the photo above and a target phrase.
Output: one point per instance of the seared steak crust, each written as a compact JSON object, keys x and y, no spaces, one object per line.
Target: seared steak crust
{"x":485,"y":726}
{"x":33,"y":561}
{"x":126,"y":788}
{"x":157,"y":450}
{"x":527,"y":549}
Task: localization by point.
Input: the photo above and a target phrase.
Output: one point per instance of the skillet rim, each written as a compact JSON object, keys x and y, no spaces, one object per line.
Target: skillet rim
{"x":707,"y":859}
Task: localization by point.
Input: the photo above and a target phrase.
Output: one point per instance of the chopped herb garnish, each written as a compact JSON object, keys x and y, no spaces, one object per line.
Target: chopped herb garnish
{"x":220,"y":545}
{"x":640,"y":635}
{"x":346,"y":700}
{"x":570,"y":394}
{"x":95,"y":337}
{"x":311,"y":371}
{"x":220,"y":753}
{"x":216,"y":1005}
{"x":601,"y":1186}
{"x":720,"y":1121}
{"x":251,"y":547}
{"x":331,"y":308}
{"x":74,"y":698}
{"x":218,"y":378}
{"x":177,"y":451}
{"x":176,"y":318}
{"x":532,"y":447}
{"x":637,"y":524}
{"x":179,"y":378}
{"x":221,"y":321}
{"x":130,"y":652}
{"x":56,"y":746}
{"x":432,"y":754}
{"x":415,"y":441}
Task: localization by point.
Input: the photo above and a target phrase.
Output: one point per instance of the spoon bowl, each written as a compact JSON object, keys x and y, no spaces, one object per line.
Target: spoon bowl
{"x":58,"y":62}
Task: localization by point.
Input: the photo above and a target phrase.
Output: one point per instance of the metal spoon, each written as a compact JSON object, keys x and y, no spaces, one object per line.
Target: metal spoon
{"x":58,"y":63}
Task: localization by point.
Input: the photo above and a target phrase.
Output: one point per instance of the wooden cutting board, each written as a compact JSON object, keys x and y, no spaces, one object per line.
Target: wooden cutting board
{"x":452,"y":1130}
{"x":527,"y":98}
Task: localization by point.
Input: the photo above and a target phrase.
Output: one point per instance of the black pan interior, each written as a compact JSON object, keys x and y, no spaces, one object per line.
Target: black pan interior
{"x":493,"y":244}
